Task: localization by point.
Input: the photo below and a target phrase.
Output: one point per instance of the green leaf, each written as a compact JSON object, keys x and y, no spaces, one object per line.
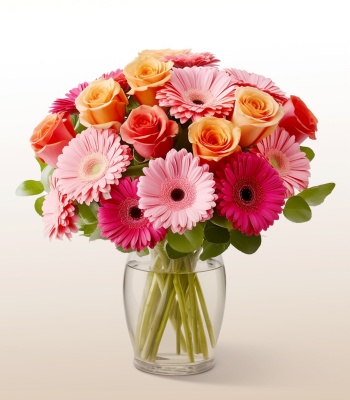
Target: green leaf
{"x":29,"y":188}
{"x":88,"y":214}
{"x":41,"y":163}
{"x":297,"y":210}
{"x":135,"y":170}
{"x":316,"y":195}
{"x":211,"y":250}
{"x":132,"y":104}
{"x":189,"y":241}
{"x":74,"y":118}
{"x":173,"y":254}
{"x":78,"y":127}
{"x":38,"y":205}
{"x":245,"y":244}
{"x":45,"y":177}
{"x":119,"y":248}
{"x":143,"y":252}
{"x":88,"y":229}
{"x":137,"y":158}
{"x":216,"y":234}
{"x":96,"y":234}
{"x":308,"y":152}
{"x":221,"y":221}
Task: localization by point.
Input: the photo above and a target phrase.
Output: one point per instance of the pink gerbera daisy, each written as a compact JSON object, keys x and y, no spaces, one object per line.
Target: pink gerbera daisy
{"x":191,"y":60}
{"x":119,"y":77}
{"x":91,"y":163}
{"x":243,"y":78}
{"x":177,"y":192}
{"x":283,"y":153}
{"x":67,"y":104}
{"x":250,"y":193}
{"x":58,"y":214}
{"x":192,"y":93}
{"x":123,"y":222}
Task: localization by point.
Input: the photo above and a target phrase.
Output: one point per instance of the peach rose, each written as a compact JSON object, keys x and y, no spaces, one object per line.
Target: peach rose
{"x":50,"y":136}
{"x":163,"y":52}
{"x":256,"y":113}
{"x":145,"y":76}
{"x":214,"y":138}
{"x":298,"y":120}
{"x":150,"y":131}
{"x":102,"y":104}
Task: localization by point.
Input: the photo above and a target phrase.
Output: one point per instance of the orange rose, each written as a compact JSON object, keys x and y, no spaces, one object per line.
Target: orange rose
{"x":146,"y":75}
{"x":102,"y":104}
{"x":50,"y":136}
{"x":163,"y":52}
{"x":256,"y":113}
{"x":213,"y":138}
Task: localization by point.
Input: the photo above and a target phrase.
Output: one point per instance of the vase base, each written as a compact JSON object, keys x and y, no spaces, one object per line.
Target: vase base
{"x":167,"y":366}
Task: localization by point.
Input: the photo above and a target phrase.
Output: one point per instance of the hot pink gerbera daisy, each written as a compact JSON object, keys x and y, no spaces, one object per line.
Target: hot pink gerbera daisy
{"x":58,"y":214}
{"x":177,"y":192}
{"x":67,"y":104}
{"x":192,"y":93}
{"x":191,"y":60}
{"x":123,"y":222}
{"x":91,"y":163}
{"x":243,"y":78}
{"x":250,"y":193}
{"x":283,"y":153}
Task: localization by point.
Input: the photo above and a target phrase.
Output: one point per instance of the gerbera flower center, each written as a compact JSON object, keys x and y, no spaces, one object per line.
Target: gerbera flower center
{"x":198,"y":97}
{"x":130,"y":214}
{"x":177,"y":194}
{"x":279,"y":161}
{"x":93,"y":166}
{"x":135,"y":212}
{"x":248,"y":194}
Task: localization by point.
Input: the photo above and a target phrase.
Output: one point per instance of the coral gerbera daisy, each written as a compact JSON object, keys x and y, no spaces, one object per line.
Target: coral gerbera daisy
{"x":123,"y":222}
{"x":283,"y":153}
{"x":67,"y":104}
{"x":58,"y":213}
{"x":177,"y":192}
{"x":91,"y":163}
{"x":243,"y":78}
{"x":191,"y":59}
{"x":192,"y":93}
{"x":250,"y":193}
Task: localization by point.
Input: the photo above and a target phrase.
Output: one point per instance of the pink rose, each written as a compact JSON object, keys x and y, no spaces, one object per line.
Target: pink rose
{"x":50,"y":136}
{"x":298,"y":120}
{"x":150,"y":131}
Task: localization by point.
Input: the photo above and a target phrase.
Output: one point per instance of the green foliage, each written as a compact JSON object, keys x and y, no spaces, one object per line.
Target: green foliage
{"x":216,"y":234}
{"x":316,"y":195}
{"x":88,"y":219}
{"x":221,"y":221}
{"x":29,"y":188}
{"x":297,"y":210}
{"x":308,"y":152}
{"x":135,"y":170}
{"x":189,"y":241}
{"x":78,"y":127}
{"x":38,"y":205}
{"x":143,"y":252}
{"x":173,"y":254}
{"x":41,"y":163}
{"x":245,"y":244}
{"x":211,"y":250}
{"x":132,"y":104}
{"x":45,"y":177}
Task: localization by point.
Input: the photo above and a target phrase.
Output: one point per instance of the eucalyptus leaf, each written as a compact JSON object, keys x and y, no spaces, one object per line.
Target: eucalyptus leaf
{"x":189,"y":241}
{"x":38,"y":205}
{"x":211,"y":250}
{"x":216,"y":234}
{"x":45,"y":177}
{"x":308,"y":152}
{"x":88,"y":229}
{"x":221,"y":221}
{"x":41,"y":163}
{"x":173,"y":254}
{"x":29,"y":188}
{"x":297,"y":210}
{"x":244,"y":243}
{"x":88,"y":214}
{"x":316,"y":195}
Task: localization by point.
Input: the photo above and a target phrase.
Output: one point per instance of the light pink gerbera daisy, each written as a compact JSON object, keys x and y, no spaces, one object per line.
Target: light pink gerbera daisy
{"x":250,"y":193}
{"x":177,"y":192}
{"x":191,"y":60}
{"x":123,"y":222}
{"x":67,"y":104}
{"x":243,"y":78}
{"x":283,"y":153}
{"x":91,"y":163}
{"x":192,"y":93}
{"x":58,"y":214}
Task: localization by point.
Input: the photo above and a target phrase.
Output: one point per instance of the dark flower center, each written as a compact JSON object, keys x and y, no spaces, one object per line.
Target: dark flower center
{"x":198,"y":102}
{"x":177,"y":194}
{"x":135,"y":212}
{"x":246,"y":194}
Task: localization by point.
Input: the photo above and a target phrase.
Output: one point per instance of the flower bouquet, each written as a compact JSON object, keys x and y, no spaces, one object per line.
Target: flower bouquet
{"x":175,"y":159}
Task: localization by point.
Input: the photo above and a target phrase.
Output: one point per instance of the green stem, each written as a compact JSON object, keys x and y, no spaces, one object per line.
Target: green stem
{"x":201,"y":334}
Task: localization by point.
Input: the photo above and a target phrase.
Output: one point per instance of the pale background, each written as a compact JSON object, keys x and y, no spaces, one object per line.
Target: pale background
{"x":286,"y":328}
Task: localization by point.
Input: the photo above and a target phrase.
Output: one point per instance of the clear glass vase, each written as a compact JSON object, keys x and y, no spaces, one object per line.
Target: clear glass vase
{"x":174,"y":310}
